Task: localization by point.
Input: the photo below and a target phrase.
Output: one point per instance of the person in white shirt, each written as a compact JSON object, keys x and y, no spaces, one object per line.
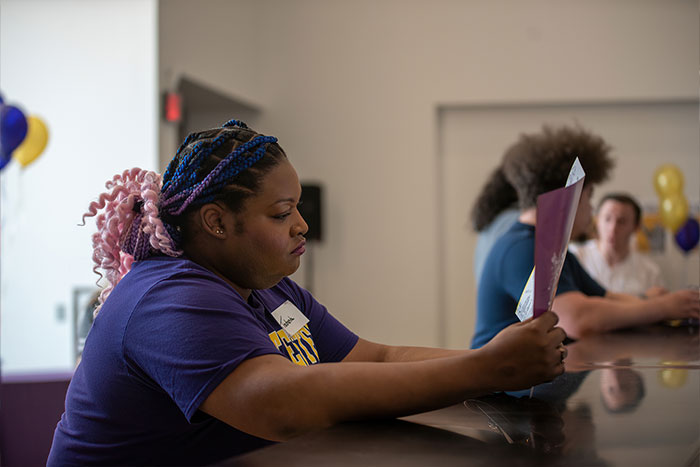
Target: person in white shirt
{"x":610,"y":258}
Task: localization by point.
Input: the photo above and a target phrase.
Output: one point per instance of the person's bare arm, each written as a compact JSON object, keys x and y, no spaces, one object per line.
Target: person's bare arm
{"x":270,"y":397}
{"x":622,"y":297}
{"x":367,"y":351}
{"x":655,"y":291}
{"x":580,"y":314}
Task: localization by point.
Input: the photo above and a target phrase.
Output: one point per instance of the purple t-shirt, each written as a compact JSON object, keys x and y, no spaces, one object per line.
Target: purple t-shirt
{"x":170,"y":332}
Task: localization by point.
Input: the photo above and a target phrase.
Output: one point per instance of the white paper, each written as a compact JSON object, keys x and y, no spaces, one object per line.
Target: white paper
{"x":526,"y":304}
{"x":575,"y":174}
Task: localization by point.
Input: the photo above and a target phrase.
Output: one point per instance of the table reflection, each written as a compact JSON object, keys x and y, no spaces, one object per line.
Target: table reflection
{"x":653,"y":346}
{"x":621,"y":389}
{"x":617,"y":414}
{"x":546,"y":425}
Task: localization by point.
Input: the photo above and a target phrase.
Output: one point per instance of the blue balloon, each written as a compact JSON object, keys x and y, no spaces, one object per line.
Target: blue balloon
{"x":13,"y":129}
{"x":4,"y":159}
{"x":687,"y":236}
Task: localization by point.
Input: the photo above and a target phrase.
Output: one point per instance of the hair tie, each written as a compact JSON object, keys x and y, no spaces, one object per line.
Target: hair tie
{"x":234,"y":122}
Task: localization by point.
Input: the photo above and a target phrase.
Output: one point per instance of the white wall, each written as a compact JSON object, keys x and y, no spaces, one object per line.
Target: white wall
{"x":214,"y":43}
{"x":352,"y":89}
{"x":89,"y":70}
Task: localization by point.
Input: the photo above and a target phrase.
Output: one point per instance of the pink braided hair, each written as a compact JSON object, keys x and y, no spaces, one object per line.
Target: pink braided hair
{"x":129,"y":229}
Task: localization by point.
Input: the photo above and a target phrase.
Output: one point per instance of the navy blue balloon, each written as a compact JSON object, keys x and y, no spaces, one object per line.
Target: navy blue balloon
{"x":13,"y":129}
{"x":4,"y":159}
{"x":687,"y":236}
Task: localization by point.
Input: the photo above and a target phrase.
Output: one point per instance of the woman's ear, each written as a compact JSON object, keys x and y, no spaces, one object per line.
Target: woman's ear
{"x":211,"y":217}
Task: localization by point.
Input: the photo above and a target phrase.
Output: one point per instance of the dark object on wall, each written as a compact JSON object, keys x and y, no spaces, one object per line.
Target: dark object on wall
{"x":311,"y":210}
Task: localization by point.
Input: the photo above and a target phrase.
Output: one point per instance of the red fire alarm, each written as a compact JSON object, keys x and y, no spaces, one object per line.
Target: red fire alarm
{"x":173,"y":107}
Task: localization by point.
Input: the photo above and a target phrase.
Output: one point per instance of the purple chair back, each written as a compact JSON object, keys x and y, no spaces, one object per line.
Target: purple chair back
{"x":30,"y":407}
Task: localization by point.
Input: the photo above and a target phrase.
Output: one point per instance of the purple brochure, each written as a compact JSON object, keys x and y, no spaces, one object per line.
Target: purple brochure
{"x":556,"y":211}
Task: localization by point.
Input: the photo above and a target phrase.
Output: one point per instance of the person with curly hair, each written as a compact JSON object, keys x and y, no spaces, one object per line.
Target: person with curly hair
{"x":537,"y":163}
{"x":202,"y":348}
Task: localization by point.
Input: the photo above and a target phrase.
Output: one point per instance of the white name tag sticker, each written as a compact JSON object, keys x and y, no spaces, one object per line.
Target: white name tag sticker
{"x":290,"y":318}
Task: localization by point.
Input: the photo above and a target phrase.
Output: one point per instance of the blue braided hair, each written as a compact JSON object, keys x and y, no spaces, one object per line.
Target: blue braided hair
{"x":225,"y":163}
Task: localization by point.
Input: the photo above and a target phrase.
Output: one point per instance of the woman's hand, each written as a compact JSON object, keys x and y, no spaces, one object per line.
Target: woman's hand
{"x":528,"y":353}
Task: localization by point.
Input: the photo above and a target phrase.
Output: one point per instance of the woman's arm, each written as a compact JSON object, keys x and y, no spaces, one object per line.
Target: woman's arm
{"x":270,"y":397}
{"x":366,"y":351}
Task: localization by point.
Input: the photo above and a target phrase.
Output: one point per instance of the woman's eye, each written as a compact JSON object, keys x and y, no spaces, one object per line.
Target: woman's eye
{"x":281,"y":216}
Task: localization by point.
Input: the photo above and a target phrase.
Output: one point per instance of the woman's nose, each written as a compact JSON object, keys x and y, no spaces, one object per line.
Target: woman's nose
{"x":300,"y":227}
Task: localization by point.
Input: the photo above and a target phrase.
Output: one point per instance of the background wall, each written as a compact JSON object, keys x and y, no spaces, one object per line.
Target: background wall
{"x":353,"y":91}
{"x":89,"y":70}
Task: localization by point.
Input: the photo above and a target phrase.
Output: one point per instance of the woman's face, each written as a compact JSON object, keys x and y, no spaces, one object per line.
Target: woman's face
{"x":267,"y":236}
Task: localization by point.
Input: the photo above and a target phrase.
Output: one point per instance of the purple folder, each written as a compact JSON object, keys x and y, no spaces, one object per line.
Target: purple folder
{"x":556,"y":211}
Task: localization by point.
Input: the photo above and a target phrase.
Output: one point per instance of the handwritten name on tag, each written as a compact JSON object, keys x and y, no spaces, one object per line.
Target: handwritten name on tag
{"x":290,"y":318}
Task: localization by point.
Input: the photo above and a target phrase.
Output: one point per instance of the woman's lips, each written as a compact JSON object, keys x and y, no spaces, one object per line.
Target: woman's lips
{"x":300,"y":249}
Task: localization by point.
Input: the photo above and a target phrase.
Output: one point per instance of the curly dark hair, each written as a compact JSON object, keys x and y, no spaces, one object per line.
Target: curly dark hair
{"x":538,"y":163}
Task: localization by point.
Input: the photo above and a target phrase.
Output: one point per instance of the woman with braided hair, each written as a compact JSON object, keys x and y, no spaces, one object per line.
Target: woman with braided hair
{"x":202,"y":348}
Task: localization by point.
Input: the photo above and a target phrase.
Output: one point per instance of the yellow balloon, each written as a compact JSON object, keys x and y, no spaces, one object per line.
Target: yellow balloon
{"x":34,"y":143}
{"x":673,"y":377}
{"x":674,"y":211}
{"x":668,"y":180}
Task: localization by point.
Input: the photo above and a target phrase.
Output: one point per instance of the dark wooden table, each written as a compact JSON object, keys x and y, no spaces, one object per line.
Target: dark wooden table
{"x":628,"y":398}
